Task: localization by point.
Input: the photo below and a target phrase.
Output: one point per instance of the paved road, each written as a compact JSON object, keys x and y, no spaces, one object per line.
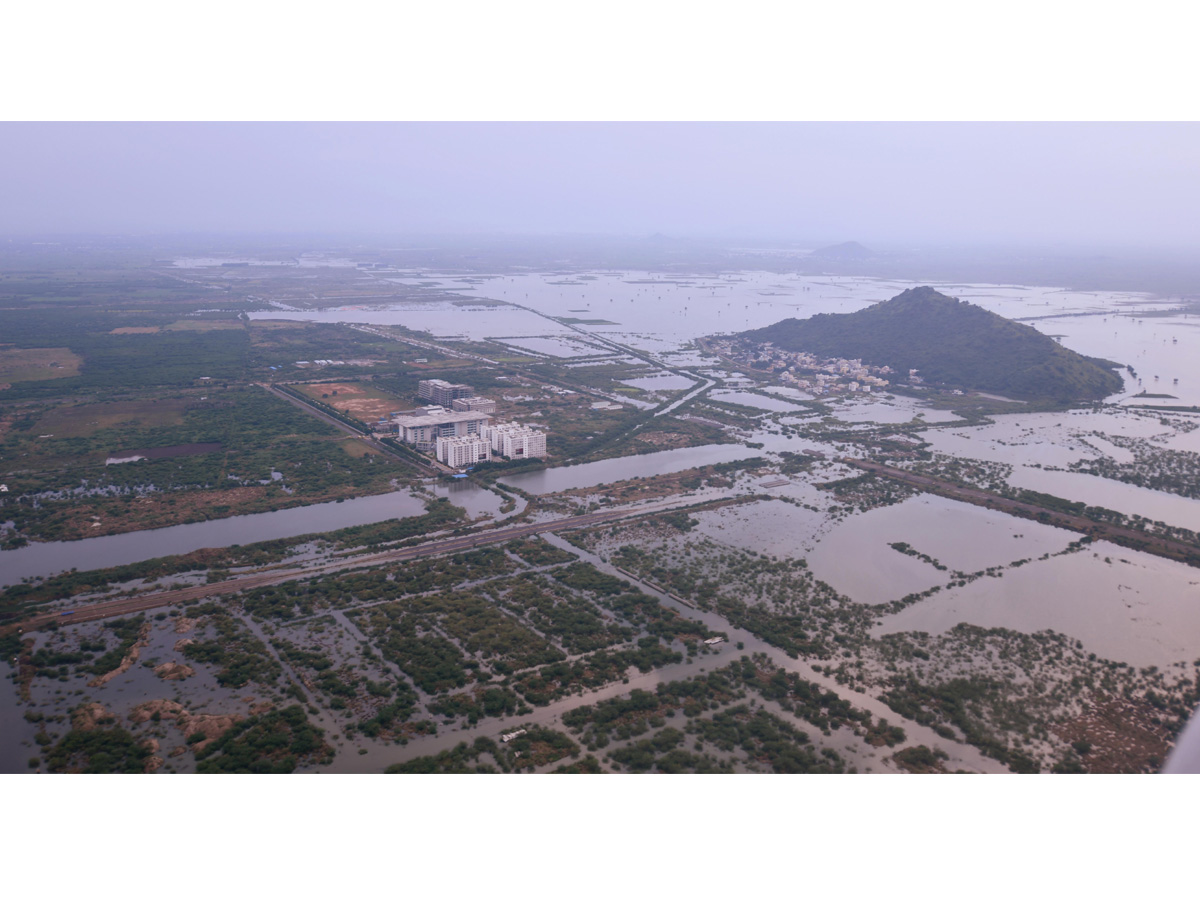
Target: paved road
{"x":371,"y":440}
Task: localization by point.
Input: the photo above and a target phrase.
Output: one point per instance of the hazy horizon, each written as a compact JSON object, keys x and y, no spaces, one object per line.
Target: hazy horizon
{"x":894,"y":184}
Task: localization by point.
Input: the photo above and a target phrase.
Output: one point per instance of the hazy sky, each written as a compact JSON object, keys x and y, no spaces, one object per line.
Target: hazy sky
{"x":897,"y":183}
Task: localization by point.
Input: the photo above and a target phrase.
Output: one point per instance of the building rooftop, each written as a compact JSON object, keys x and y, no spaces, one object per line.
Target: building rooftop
{"x":428,"y":416}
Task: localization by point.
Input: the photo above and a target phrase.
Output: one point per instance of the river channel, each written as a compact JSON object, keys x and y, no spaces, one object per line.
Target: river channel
{"x":45,"y":559}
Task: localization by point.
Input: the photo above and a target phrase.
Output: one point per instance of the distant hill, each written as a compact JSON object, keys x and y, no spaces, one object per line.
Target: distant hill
{"x":850,"y":250}
{"x":952,"y":343}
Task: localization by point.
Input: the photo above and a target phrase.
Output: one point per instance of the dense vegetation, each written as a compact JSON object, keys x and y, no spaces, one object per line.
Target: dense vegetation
{"x":101,"y":751}
{"x":241,"y":656}
{"x":274,"y":743}
{"x":950,"y":342}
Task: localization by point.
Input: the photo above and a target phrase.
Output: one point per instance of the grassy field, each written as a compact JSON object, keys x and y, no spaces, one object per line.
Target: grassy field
{"x":81,"y":420}
{"x":204,"y":325}
{"x":357,"y":448}
{"x":37,"y":364}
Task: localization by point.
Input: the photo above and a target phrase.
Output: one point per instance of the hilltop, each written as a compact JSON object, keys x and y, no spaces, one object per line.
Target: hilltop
{"x":952,"y":343}
{"x":850,"y":250}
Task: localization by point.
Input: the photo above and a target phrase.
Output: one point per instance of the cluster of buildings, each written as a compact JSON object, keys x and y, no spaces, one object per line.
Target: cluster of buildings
{"x":321,"y":363}
{"x":463,"y":434}
{"x":806,"y":371}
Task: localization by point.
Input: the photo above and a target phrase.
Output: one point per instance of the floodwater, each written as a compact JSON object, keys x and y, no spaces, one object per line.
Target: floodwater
{"x":660,"y":383}
{"x":558,"y":347}
{"x":17,"y":746}
{"x":1158,"y":506}
{"x":660,"y":314}
{"x":889,"y":412}
{"x":606,"y":471}
{"x":475,"y":500}
{"x":745,"y":398}
{"x":856,"y":559}
{"x":768,"y":527}
{"x":1122,"y":604}
{"x":1051,"y":439}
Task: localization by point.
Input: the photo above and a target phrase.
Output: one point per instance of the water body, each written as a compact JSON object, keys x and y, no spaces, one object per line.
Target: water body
{"x":606,"y":471}
{"x":745,"y":398}
{"x":856,"y":559}
{"x":1130,"y":499}
{"x":1122,"y":604}
{"x":662,"y":315}
{"x":660,"y":383}
{"x":17,"y":746}
{"x":121,"y":549}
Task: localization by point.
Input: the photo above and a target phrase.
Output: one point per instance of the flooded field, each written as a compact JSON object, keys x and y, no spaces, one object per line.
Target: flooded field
{"x":800,"y":576}
{"x":890,"y":412}
{"x":771,"y":528}
{"x":569,"y":478}
{"x":1158,"y":506}
{"x":745,"y":398}
{"x":660,"y":383}
{"x":563,"y":348}
{"x":1122,"y":604}
{"x":961,"y":536}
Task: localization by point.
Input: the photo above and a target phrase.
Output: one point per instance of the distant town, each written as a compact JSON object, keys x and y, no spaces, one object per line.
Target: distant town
{"x":804,"y":370}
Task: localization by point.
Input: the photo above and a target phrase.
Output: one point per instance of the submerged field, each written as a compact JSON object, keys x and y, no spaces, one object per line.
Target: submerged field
{"x":854,"y":623}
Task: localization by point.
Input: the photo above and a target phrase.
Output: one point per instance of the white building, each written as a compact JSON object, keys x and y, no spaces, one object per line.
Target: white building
{"x":443,"y":393}
{"x":473,"y":404}
{"x":422,"y":427}
{"x":460,"y":452}
{"x":516,"y":441}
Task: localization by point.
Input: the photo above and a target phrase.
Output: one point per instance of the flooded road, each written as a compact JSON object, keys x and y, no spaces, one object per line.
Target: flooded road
{"x":378,"y":758}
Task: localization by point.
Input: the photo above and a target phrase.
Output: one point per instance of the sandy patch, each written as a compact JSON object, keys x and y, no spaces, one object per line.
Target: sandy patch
{"x":173,"y":671}
{"x":127,"y":663}
{"x":212,"y":727}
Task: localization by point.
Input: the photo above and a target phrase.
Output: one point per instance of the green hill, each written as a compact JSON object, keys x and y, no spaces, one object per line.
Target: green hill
{"x":952,"y":343}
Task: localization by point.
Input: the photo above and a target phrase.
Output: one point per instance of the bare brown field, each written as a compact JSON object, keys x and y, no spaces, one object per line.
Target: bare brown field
{"x":359,"y":400}
{"x":37,"y":364}
{"x":85,"y":419}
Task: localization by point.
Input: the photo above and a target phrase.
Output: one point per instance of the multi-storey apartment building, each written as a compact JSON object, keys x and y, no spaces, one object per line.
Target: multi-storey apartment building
{"x":443,"y":393}
{"x":422,"y":427}
{"x":460,"y":452}
{"x":516,"y":441}
{"x":473,"y":404}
